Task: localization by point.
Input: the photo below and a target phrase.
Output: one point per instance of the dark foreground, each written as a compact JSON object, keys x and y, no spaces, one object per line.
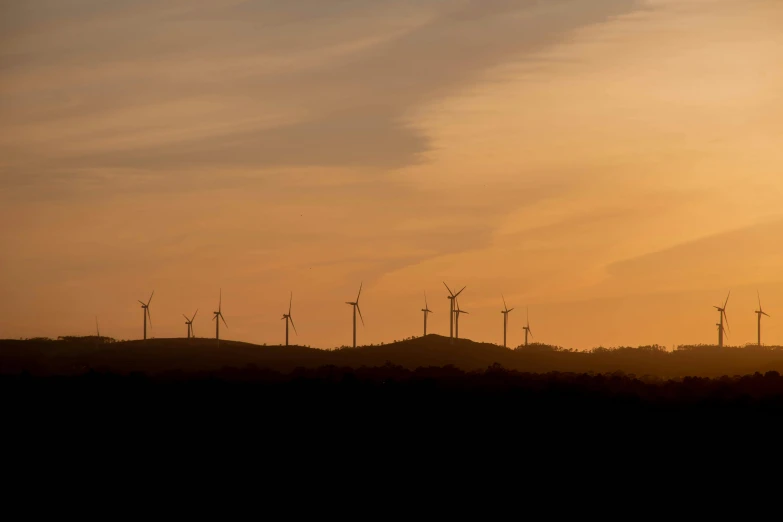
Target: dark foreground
{"x":331,"y":398}
{"x":329,"y":427}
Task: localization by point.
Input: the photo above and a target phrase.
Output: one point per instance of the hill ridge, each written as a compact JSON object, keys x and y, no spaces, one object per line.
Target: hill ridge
{"x":77,"y":355}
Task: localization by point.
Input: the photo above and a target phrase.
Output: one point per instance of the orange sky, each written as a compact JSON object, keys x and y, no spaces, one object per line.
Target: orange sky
{"x":615,"y":165}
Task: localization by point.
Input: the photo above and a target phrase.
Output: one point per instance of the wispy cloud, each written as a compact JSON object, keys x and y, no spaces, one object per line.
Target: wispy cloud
{"x":81,"y":78}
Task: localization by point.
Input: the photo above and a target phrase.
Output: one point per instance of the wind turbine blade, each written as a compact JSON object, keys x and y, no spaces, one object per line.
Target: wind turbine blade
{"x":759,"y":296}
{"x":214,"y":317}
{"x":463,"y":288}
{"x":150,"y":300}
{"x":425,"y":300}
{"x":224,"y":320}
{"x":511,"y":310}
{"x":765,"y":313}
{"x":292,"y":324}
{"x":194,"y":316}
{"x":149,"y":315}
{"x":220,"y":300}
{"x":726,"y":317}
{"x":186,"y":317}
{"x":530,"y":331}
{"x":290,"y":302}
{"x":449,"y":289}
{"x":360,"y":291}
{"x":360,"y":313}
{"x":142,"y":302}
{"x":727,"y":299}
{"x":504,"y":302}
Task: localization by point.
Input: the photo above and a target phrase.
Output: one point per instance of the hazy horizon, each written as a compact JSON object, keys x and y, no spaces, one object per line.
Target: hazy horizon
{"x":615,"y":165}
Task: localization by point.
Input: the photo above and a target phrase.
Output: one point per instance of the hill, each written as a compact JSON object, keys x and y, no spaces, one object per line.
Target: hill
{"x":70,"y":356}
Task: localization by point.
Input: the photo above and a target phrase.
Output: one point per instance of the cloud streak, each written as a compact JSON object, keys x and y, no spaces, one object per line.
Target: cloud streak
{"x":366,"y":66}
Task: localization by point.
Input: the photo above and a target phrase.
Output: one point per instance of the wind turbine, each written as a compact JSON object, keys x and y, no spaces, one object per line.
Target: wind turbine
{"x":288,"y":319}
{"x":505,"y":313}
{"x":759,"y":313}
{"x":721,"y":333}
{"x":218,"y":317}
{"x":457,"y":312}
{"x":355,"y":305}
{"x":451,"y":297}
{"x":98,"y":331}
{"x":146,"y":313}
{"x":189,"y":323}
{"x":426,"y":311}
{"x":526,"y":328}
{"x":722,"y":311}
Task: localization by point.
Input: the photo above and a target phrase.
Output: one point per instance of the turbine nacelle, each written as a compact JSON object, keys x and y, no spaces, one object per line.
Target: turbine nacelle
{"x":356,"y":308}
{"x":355,"y":304}
{"x":289,"y":317}
{"x":722,"y":311}
{"x":527,"y":326}
{"x":219,"y":314}
{"x":146,"y":313}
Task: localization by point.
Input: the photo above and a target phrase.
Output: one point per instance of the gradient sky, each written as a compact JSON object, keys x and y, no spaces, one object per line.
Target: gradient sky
{"x":615,"y":165}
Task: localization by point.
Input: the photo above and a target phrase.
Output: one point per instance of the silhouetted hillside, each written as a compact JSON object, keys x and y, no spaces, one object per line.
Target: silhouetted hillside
{"x":69,"y":356}
{"x":384,"y":413}
{"x":388,"y":395}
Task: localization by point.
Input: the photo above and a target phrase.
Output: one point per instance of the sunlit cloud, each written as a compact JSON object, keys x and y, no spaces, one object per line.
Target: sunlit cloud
{"x":561,"y":152}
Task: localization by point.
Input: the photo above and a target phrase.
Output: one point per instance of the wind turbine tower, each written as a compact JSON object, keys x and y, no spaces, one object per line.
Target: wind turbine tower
{"x":721,"y":333}
{"x":526,"y":328}
{"x":457,"y":312}
{"x":451,"y":297}
{"x":355,"y":305}
{"x":98,"y":339}
{"x":426,"y":311}
{"x":146,"y":312}
{"x":722,"y":311}
{"x":289,"y":319}
{"x":505,"y":313}
{"x":218,"y":317}
{"x":759,"y":313}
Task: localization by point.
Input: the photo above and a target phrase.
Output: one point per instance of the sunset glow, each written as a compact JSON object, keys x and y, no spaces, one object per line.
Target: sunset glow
{"x":614,"y":165}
